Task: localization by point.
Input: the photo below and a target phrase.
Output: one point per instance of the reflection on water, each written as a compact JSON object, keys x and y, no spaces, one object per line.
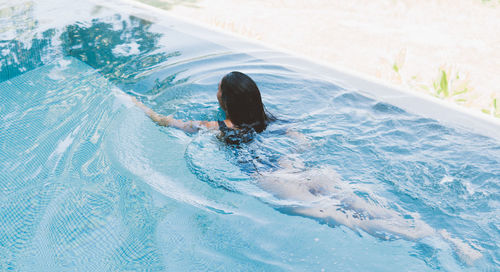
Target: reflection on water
{"x":120,"y":49}
{"x":19,"y":57}
{"x":17,"y":18}
{"x":19,"y":51}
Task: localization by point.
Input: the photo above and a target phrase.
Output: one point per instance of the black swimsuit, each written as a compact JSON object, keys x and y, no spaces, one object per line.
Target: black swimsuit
{"x":250,"y":158}
{"x":235,"y":136}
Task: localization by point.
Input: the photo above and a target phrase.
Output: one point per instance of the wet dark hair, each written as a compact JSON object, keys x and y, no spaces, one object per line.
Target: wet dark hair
{"x":242,"y":102}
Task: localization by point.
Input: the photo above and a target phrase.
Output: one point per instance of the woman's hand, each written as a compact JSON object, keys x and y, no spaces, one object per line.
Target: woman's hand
{"x":139,"y":104}
{"x":158,"y":118}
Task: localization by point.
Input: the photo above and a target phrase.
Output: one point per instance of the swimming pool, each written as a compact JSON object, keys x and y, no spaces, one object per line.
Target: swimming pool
{"x":88,"y":182}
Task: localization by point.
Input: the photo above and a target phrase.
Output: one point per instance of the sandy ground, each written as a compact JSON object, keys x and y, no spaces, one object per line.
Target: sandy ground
{"x":446,"y":48}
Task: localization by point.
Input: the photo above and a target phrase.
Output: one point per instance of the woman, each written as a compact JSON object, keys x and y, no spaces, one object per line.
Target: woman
{"x":316,"y":192}
{"x":239,"y":97}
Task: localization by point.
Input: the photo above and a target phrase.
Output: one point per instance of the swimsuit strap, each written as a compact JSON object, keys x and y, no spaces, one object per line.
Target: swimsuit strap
{"x":222,"y":126}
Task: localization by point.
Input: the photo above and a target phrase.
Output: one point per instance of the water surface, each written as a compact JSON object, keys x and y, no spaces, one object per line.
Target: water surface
{"x":88,"y":182}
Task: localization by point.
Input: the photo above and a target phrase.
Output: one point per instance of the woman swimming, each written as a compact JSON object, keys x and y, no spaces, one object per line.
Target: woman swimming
{"x":240,"y":99}
{"x":315,"y":192}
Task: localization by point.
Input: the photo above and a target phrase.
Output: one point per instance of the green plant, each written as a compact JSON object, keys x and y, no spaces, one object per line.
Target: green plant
{"x":395,"y":68}
{"x":494,"y":109}
{"x":441,"y":85}
{"x":450,"y":85}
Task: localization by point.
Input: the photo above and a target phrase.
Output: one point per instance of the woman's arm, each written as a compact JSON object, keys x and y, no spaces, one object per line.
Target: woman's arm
{"x":162,"y":120}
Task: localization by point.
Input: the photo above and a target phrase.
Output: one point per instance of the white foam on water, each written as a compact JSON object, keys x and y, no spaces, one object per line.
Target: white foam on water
{"x":446,"y":179}
{"x":469,"y":188}
{"x":63,"y":145}
{"x":127,"y":49}
{"x":56,"y":73}
{"x":140,"y":166}
{"x":465,"y":252}
{"x":63,"y":63}
{"x":130,"y":155}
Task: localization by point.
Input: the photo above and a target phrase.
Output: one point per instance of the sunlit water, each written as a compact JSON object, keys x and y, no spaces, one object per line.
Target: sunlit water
{"x":88,"y":182}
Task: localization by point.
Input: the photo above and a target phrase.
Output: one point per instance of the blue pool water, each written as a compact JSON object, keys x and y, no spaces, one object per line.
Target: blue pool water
{"x":89,"y":183}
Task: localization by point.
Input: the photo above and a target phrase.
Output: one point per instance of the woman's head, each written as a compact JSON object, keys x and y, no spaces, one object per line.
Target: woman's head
{"x":240,"y":98}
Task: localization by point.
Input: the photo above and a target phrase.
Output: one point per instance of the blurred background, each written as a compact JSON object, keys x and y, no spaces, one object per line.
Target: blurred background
{"x":444,"y":48}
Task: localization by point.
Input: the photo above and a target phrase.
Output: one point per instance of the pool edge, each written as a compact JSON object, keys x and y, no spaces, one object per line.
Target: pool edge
{"x":413,"y":102}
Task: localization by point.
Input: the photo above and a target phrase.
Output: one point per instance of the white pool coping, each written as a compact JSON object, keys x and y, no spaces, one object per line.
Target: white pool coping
{"x":413,"y":102}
